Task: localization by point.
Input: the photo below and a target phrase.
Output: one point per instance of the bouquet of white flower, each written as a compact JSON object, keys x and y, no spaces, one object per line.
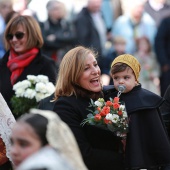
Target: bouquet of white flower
{"x":29,"y":92}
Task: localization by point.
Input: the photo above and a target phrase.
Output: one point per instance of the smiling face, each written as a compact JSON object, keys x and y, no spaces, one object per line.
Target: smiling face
{"x":126,"y":78}
{"x":24,"y":142}
{"x":90,"y":78}
{"x":19,"y":45}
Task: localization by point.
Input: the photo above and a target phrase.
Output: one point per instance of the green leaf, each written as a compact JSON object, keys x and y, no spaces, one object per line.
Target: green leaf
{"x":21,"y":105}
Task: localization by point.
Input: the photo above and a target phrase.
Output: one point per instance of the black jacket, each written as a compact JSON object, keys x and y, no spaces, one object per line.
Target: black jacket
{"x":40,"y":65}
{"x":147,"y":141}
{"x":100,"y":148}
{"x":165,"y":110}
{"x":47,"y":103}
{"x":87,"y":34}
{"x":65,"y":36}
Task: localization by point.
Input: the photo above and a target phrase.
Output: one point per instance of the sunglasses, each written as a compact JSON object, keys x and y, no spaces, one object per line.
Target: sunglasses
{"x":18,"y":35}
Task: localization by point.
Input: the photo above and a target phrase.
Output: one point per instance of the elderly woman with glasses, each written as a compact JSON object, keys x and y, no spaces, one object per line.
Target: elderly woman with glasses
{"x":23,"y":41}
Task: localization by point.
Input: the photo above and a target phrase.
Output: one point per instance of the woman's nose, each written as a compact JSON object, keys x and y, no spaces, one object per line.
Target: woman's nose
{"x":95,"y":70}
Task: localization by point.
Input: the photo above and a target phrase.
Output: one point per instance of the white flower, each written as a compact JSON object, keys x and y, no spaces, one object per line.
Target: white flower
{"x":109,"y":116}
{"x":41,"y":87}
{"x":32,"y":78}
{"x":39,"y":96}
{"x":125,"y":114}
{"x":30,"y":93}
{"x":25,"y":84}
{"x":113,"y":117}
{"x":42,"y":78}
{"x":99,"y":104}
{"x":20,"y":92}
{"x":50,"y":88}
{"x":122,"y":107}
{"x":22,"y":84}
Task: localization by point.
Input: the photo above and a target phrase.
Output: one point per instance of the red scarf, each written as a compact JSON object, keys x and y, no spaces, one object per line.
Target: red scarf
{"x":17,"y":62}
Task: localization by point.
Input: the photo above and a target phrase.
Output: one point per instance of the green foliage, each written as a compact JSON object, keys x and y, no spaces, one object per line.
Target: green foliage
{"x":21,"y":105}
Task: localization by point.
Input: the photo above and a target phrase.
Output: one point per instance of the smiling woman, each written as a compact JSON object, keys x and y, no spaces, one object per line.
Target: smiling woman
{"x":23,"y":41}
{"x":78,"y":82}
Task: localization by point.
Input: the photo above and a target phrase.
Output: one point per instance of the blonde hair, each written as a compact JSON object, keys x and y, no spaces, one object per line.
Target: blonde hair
{"x":31,"y":27}
{"x":70,"y":70}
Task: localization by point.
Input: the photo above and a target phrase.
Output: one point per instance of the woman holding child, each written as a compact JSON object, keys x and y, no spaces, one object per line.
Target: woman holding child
{"x":78,"y":82}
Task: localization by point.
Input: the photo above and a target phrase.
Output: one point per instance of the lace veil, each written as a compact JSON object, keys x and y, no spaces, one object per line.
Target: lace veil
{"x":6,"y":123}
{"x":61,"y":138}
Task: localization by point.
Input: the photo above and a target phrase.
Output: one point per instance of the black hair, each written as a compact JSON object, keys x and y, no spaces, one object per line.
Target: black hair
{"x":38,"y":123}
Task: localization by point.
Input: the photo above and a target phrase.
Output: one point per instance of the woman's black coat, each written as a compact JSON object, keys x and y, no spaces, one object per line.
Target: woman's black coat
{"x":100,"y":149}
{"x":40,"y":65}
{"x":147,"y":141}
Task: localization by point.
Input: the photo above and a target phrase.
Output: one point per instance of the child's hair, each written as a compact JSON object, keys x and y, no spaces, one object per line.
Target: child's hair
{"x":39,"y":125}
{"x":118,"y":40}
{"x":119,"y":67}
{"x":138,"y":40}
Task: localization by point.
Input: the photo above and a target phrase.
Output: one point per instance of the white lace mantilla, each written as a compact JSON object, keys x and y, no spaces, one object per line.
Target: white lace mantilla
{"x":6,"y":122}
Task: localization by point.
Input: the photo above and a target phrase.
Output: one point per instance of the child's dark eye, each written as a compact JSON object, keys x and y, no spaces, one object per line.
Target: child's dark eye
{"x":126,"y":77}
{"x":115,"y":78}
{"x":23,"y":144}
{"x":96,"y":65}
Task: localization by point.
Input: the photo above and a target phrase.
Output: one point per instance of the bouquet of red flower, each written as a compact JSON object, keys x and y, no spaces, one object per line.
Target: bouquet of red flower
{"x":110,"y":115}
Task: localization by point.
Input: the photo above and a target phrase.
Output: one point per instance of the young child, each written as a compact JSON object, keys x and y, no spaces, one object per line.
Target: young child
{"x":150,"y":70}
{"x":147,"y":144}
{"x":119,"y":45}
{"x":40,"y":140}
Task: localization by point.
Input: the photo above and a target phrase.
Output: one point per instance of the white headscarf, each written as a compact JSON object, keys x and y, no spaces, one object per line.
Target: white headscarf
{"x":6,"y":123}
{"x":60,"y":137}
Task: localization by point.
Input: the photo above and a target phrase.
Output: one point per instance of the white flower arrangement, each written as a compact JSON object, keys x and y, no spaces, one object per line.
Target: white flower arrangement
{"x":29,"y":92}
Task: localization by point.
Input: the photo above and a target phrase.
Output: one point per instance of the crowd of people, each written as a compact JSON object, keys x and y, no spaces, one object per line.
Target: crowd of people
{"x":87,"y":58}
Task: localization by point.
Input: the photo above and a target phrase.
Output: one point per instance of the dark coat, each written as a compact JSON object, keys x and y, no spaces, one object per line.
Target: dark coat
{"x":99,"y":148}
{"x":64,"y":33}
{"x":47,"y":103}
{"x":165,"y":110}
{"x":162,"y":49}
{"x":40,"y":65}
{"x":87,"y":34}
{"x":147,"y":141}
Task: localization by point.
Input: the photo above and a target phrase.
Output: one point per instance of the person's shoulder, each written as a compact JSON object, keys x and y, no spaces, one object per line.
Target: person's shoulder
{"x":82,"y":15}
{"x":123,"y":18}
{"x":148,"y":92}
{"x":150,"y":97}
{"x":4,"y":59}
{"x":68,"y":99}
{"x":166,"y":20}
{"x":108,"y":89}
{"x":46,"y":58}
{"x":38,"y":160}
{"x":146,"y":18}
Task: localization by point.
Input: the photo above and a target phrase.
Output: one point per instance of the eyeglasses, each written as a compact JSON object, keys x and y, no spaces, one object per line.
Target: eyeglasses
{"x":18,"y":35}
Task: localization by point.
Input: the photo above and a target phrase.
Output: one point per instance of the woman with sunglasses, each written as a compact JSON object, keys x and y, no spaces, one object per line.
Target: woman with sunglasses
{"x":23,"y":41}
